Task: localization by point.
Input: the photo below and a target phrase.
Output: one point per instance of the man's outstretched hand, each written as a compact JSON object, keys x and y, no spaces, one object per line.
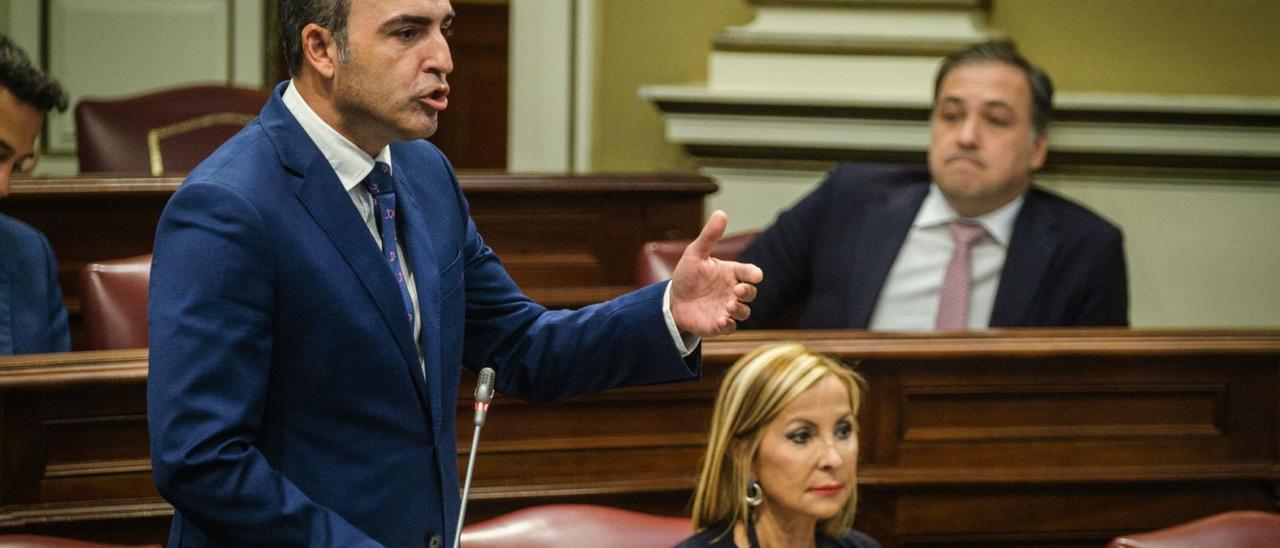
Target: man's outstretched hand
{"x":709,"y":296}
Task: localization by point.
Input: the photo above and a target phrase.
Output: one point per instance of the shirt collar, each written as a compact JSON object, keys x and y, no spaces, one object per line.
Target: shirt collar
{"x":350,"y":163}
{"x":935,"y":211}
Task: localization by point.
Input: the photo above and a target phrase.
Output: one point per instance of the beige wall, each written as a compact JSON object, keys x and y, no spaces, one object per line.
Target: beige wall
{"x":1149,"y":46}
{"x":1158,"y":46}
{"x":650,"y":42}
{"x":1199,"y":254}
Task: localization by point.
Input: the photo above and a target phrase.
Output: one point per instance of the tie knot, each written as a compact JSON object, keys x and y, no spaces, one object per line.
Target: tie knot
{"x":378,"y":180}
{"x":966,"y":233}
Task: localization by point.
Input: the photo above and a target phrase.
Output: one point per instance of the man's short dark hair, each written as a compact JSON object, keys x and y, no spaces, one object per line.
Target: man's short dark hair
{"x":26,"y":82}
{"x":296,"y":14}
{"x":1004,"y":52}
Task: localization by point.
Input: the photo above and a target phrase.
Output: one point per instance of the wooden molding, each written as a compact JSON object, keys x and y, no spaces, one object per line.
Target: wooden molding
{"x":896,"y":4}
{"x":958,"y":431}
{"x":837,"y":45}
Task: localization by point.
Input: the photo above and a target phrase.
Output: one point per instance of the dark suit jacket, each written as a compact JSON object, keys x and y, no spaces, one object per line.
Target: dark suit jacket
{"x":826,"y":259}
{"x":32,"y":318}
{"x":285,"y":400}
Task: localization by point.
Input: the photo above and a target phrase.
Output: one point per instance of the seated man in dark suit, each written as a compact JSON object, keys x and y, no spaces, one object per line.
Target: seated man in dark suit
{"x":968,"y":244}
{"x":32,"y":318}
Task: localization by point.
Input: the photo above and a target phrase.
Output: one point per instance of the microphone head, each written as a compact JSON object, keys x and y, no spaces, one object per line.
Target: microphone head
{"x":484,"y":385}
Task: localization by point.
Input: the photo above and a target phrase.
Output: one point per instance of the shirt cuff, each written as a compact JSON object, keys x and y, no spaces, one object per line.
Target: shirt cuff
{"x":686,"y":343}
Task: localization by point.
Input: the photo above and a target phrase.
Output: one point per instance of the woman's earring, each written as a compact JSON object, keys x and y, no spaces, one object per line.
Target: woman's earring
{"x":755,"y":494}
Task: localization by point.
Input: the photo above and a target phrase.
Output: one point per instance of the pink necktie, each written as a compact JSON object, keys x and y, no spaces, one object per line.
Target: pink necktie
{"x":953,"y":304}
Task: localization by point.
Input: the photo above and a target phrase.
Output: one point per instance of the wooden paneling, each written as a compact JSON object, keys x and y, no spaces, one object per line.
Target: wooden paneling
{"x":567,"y":240}
{"x":1012,"y":438}
{"x":76,"y":457}
{"x":473,"y":130}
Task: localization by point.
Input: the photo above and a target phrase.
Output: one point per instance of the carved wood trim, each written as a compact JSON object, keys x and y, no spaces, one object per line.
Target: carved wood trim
{"x":478,"y":182}
{"x":896,"y":4}
{"x":38,"y":514}
{"x":1019,"y":343}
{"x":29,"y":371}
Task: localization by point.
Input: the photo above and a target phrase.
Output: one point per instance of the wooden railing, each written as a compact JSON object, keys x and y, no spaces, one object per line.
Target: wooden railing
{"x":568,"y":240}
{"x":1015,"y":438}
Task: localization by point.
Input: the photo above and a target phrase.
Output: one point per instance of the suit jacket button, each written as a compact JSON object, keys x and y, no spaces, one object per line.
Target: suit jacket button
{"x":435,"y":542}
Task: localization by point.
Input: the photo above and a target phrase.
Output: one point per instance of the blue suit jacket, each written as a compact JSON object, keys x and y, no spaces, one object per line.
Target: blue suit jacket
{"x":826,"y":259}
{"x":32,"y":318}
{"x":285,"y":400}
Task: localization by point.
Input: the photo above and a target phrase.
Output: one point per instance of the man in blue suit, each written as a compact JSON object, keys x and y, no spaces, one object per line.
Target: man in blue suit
{"x":318,"y":282}
{"x":968,"y":243}
{"x":32,"y":318}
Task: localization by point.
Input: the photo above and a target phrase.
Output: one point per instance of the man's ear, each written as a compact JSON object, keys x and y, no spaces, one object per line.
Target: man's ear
{"x":319,"y":50}
{"x":1040,"y":151}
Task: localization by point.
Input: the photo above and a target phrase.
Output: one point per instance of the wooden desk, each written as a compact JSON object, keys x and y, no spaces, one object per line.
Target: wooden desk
{"x":568,"y":240}
{"x":1017,"y":438}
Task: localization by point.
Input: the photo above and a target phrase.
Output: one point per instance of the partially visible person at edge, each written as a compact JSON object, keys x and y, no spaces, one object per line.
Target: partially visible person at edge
{"x":966,"y":242}
{"x":32,"y":318}
{"x":781,"y":467}
{"x":318,"y":283}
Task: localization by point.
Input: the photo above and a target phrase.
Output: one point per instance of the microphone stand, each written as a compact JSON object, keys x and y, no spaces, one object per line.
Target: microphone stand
{"x":484,"y":395}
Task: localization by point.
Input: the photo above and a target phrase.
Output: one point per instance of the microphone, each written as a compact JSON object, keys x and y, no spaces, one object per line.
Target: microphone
{"x":484,"y":395}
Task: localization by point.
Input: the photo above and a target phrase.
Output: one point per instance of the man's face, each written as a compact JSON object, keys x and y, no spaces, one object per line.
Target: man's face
{"x":392,"y":87}
{"x":19,"y":125}
{"x":982,"y":150}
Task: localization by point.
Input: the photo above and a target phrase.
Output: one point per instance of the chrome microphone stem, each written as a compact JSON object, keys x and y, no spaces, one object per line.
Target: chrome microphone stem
{"x":484,"y":395}
{"x":466,"y":485}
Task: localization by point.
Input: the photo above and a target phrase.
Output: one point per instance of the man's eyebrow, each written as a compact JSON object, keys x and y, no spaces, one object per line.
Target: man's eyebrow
{"x":407,"y":19}
{"x":998,"y":103}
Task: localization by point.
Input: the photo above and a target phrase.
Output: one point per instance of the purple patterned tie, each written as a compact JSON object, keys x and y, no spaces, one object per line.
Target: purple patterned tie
{"x":953,"y":301}
{"x":379,"y":184}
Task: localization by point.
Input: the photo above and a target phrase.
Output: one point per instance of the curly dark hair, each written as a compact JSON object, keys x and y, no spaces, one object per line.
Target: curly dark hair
{"x":26,"y":82}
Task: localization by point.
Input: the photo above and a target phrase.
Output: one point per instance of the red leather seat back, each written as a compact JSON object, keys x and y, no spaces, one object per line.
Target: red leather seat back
{"x":1240,"y":529}
{"x":40,"y":541}
{"x":113,"y":303}
{"x":111,"y":135}
{"x":573,"y":525}
{"x":657,"y":259}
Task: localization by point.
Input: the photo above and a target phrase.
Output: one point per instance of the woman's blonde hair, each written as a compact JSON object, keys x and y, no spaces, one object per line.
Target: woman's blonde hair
{"x":753,"y":392}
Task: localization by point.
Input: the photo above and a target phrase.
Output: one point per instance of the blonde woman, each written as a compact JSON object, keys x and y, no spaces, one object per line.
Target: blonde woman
{"x":781,"y":462}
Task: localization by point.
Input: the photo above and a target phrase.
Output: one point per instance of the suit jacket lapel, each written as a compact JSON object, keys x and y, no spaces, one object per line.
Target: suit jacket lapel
{"x":878,"y":238}
{"x":321,"y":193}
{"x":331,"y":208}
{"x":416,"y":238}
{"x":1034,"y":242}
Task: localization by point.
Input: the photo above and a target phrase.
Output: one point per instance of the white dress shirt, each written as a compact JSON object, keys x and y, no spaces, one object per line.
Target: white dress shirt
{"x":909,"y":299}
{"x":352,"y":165}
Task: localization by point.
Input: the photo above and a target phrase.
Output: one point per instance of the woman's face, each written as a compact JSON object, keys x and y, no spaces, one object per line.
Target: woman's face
{"x":807,"y":461}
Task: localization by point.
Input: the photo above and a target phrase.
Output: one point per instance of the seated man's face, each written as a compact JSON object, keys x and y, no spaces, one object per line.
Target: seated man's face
{"x":19,"y":125}
{"x":982,"y":148}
